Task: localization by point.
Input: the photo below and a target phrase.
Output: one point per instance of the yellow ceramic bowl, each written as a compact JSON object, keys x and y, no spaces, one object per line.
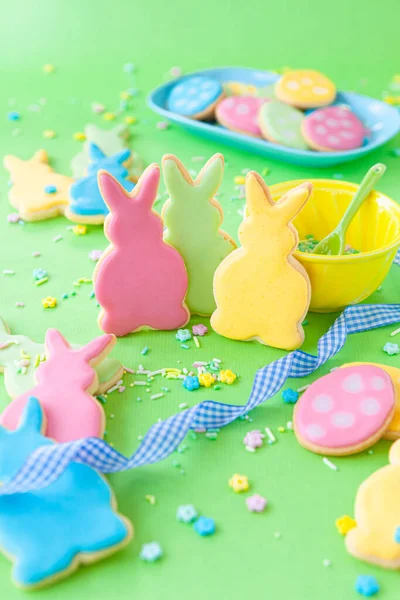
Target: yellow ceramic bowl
{"x":337,"y":281}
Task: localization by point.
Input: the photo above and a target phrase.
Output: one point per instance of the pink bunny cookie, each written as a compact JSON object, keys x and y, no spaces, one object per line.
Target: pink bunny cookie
{"x":140,"y":280}
{"x":65,"y":384}
{"x":240,"y":113}
{"x":333,"y":128}
{"x":345,"y":411}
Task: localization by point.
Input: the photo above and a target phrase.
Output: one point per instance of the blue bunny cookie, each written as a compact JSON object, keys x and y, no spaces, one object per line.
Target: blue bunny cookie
{"x":195,"y":97}
{"x":86,"y":204}
{"x":48,"y":533}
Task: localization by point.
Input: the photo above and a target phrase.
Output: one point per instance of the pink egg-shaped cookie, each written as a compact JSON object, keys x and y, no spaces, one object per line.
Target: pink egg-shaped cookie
{"x":240,"y":113}
{"x":346,"y":411}
{"x":333,"y":129}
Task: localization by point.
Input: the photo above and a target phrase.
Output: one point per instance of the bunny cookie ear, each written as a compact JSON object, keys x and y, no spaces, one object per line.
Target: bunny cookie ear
{"x":94,"y":350}
{"x":11,"y":163}
{"x":176,"y":178}
{"x":258,"y":197}
{"x":122,"y":156}
{"x":32,"y":418}
{"x":147,"y":186}
{"x":114,"y":195}
{"x":55,"y":342}
{"x":291,"y":204}
{"x":95,"y":153}
{"x":210,"y":177}
{"x":41,"y":157}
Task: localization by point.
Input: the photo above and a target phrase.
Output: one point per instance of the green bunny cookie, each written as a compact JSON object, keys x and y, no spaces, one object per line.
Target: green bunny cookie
{"x":192,"y":218}
{"x":20,"y":356}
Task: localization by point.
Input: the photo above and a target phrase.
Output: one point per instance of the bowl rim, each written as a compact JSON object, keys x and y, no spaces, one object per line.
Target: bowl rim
{"x":319,"y":258}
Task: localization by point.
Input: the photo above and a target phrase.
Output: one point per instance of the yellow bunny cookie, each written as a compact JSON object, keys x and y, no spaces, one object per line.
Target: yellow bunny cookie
{"x":377,"y":513}
{"x":261,"y":291}
{"x":36,"y":191}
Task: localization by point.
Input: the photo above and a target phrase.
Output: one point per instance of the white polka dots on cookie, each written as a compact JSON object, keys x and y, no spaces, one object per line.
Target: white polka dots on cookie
{"x":305,"y":89}
{"x":333,"y":129}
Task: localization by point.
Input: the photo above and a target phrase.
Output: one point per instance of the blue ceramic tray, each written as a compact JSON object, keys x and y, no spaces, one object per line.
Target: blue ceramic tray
{"x":382,"y":119}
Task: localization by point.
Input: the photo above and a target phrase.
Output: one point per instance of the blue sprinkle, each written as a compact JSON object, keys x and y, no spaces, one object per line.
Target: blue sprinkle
{"x":144,"y":351}
{"x":129,"y":68}
{"x":151,"y":552}
{"x":186,"y":513}
{"x":204,"y":526}
{"x":64,"y":296}
{"x":191,"y":383}
{"x":367,"y":585}
{"x":50,"y":189}
{"x":13,"y":116}
{"x":290,"y":396}
{"x":185,"y":346}
{"x":397,"y":535}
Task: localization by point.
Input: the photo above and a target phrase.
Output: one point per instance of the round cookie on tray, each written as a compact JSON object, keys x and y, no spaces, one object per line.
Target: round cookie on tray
{"x":240,"y":113}
{"x":281,"y":123}
{"x":195,"y":97}
{"x":305,"y":88}
{"x":333,"y":129}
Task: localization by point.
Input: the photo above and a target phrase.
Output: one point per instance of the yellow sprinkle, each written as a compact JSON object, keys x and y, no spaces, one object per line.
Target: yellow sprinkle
{"x":109,"y":116}
{"x":130,"y":120}
{"x":227,"y":376}
{"x":79,"y":229}
{"x":239,"y":483}
{"x":79,"y":136}
{"x":124,"y":95}
{"x":206,"y":379}
{"x":345,"y":524}
{"x":150,"y":498}
{"x":49,"y":134}
{"x":196,"y":341}
{"x":48,"y":68}
{"x":49,"y":302}
{"x":239,"y":180}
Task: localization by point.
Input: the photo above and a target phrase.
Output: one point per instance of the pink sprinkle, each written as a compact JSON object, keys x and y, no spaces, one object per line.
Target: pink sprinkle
{"x":121,"y":389}
{"x":175,"y":71}
{"x":94,"y":255}
{"x":200,"y":430}
{"x":253,"y":439}
{"x":162,"y":125}
{"x":20,"y":304}
{"x":98,"y":108}
{"x":200,"y":329}
{"x":36,"y":253}
{"x":131,"y":371}
{"x":256,"y":503}
{"x":13,"y":217}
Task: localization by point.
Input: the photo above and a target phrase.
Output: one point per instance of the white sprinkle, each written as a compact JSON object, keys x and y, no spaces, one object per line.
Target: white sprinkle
{"x":37,"y":253}
{"x":329,"y":464}
{"x":395,"y":332}
{"x":217,"y":360}
{"x":304,"y":388}
{"x":185,"y":371}
{"x":156,"y":396}
{"x":201,"y":370}
{"x":270,"y":435}
{"x":114,"y":387}
{"x":289,"y":425}
{"x":8,"y":272}
{"x":196,"y":341}
{"x":250,"y":449}
{"x":158,"y":372}
{"x":20,"y":304}
{"x":142,"y":372}
{"x":183,"y":405}
{"x":181,"y":377}
{"x":57,"y":238}
{"x":131,"y":371}
{"x":326,"y":562}
{"x":140,"y":383}
{"x":277,"y":535}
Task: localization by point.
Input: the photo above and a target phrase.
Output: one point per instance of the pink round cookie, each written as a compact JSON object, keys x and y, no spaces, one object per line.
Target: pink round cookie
{"x":333,"y":129}
{"x":240,"y":113}
{"x":345,"y":411}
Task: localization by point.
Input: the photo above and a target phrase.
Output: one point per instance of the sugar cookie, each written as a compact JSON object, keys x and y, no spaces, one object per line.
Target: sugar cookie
{"x":36,"y":191}
{"x":110,"y":141}
{"x":48,"y":533}
{"x":240,"y":113}
{"x":195,"y":97}
{"x":281,"y":124}
{"x":192,"y":218}
{"x":237,"y":88}
{"x":20,"y":357}
{"x":377,"y":513}
{"x":333,"y":128}
{"x":86,"y":202}
{"x":267,"y":92}
{"x":305,"y":88}
{"x":345,"y":411}
{"x":261,"y":291}
{"x":140,"y":281}
{"x":393,"y":431}
{"x":65,"y":384}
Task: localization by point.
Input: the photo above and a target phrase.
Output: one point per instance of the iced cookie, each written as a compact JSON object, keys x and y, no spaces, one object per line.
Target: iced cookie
{"x":48,"y":533}
{"x":20,"y":357}
{"x":267,"y":92}
{"x":240,"y":113}
{"x":305,"y":89}
{"x":36,"y":191}
{"x":393,"y":431}
{"x":281,"y":124}
{"x":237,"y":88}
{"x":333,"y":129}
{"x":110,"y":141}
{"x":261,"y":291}
{"x":65,"y":385}
{"x":86,"y":202}
{"x":345,"y":411}
{"x":377,"y":513}
{"x":192,"y":218}
{"x":195,"y":97}
{"x":140,"y":281}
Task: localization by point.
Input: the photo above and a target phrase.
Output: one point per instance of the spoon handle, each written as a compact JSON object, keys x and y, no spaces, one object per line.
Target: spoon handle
{"x":366,"y":186}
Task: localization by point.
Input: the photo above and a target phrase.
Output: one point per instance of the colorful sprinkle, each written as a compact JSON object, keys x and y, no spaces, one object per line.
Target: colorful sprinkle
{"x":162,"y":125}
{"x":129,"y":120}
{"x":200,"y":329}
{"x":204,"y":526}
{"x":57,"y":238}
{"x":49,"y":302}
{"x":49,"y":134}
{"x":253,"y":439}
{"x":183,"y":335}
{"x":206,"y":379}
{"x":227,"y":376}
{"x":271,"y":437}
{"x":329,"y":464}
{"x":48,"y":68}
{"x":345,"y":524}
{"x":50,"y":189}
{"x":39,"y":274}
{"x":79,"y":229}
{"x":186,"y":513}
{"x":391,"y":349}
{"x":144,"y":351}
{"x":175,"y":71}
{"x":94,"y":255}
{"x":13,"y":217}
{"x":109,"y":116}
{"x":239,"y":180}
{"x":151,"y":552}
{"x":98,"y":108}
{"x":239,"y":483}
{"x":397,"y":535}
{"x":13,"y":116}
{"x":256,"y":503}
{"x":129,"y":68}
{"x":367,"y":585}
{"x":79,"y":136}
{"x":191,"y":383}
{"x":290,"y":396}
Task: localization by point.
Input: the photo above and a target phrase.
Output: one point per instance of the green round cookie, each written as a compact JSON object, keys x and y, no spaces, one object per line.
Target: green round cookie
{"x":281,"y":123}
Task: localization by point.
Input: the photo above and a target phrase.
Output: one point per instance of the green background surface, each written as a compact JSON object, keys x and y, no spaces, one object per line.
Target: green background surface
{"x":356,"y":44}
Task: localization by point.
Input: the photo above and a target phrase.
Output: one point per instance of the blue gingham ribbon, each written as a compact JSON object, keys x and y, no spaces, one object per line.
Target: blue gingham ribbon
{"x":47,"y":463}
